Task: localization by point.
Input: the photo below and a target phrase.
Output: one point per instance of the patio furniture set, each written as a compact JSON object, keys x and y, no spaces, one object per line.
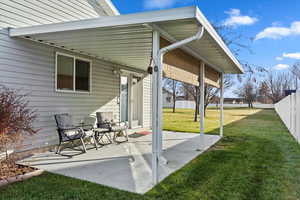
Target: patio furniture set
{"x":95,"y":128}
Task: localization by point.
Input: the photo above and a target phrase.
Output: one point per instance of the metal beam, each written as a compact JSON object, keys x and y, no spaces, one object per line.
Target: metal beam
{"x":221,"y":104}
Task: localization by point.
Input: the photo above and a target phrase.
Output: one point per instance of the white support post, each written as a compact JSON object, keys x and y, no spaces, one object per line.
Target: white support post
{"x":155,"y":126}
{"x":130,"y":100}
{"x":201,"y":106}
{"x":157,"y":96}
{"x":221,"y":104}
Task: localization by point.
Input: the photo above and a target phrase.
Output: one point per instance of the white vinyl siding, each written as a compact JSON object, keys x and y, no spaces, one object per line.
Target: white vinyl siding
{"x":30,"y":67}
{"x":20,"y":13}
{"x":147,"y":103}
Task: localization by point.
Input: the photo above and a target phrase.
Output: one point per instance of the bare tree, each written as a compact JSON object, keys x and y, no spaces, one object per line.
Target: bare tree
{"x":277,"y":84}
{"x":248,"y":91}
{"x":295,"y":70}
{"x":237,"y":42}
{"x":194,"y":91}
{"x":212,"y":92}
{"x":263,"y":90}
{"x":173,"y":87}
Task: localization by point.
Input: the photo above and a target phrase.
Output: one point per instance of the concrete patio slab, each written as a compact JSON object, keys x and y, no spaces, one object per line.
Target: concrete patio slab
{"x":126,"y":166}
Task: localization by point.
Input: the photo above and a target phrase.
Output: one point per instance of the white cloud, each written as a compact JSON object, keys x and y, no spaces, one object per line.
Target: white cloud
{"x":281,"y":66}
{"x":233,"y":12}
{"x":279,"y":58}
{"x":151,"y":4}
{"x":236,"y":19}
{"x":278,"y":32}
{"x":292,"y":55}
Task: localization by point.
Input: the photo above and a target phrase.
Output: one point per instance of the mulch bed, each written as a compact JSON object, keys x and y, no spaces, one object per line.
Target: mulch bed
{"x":10,"y":169}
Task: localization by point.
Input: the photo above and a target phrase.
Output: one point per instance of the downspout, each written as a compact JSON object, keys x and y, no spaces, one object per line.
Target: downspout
{"x":178,"y":44}
{"x":157,"y":113}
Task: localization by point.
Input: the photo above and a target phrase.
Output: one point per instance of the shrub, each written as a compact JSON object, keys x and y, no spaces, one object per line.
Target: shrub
{"x":16,"y":119}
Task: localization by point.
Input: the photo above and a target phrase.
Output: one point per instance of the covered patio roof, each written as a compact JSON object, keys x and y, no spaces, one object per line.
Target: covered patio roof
{"x":127,"y":39}
{"x":180,"y":38}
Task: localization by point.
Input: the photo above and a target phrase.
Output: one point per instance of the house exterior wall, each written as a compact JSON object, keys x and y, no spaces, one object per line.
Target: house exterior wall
{"x":30,"y":67}
{"x":16,"y":13}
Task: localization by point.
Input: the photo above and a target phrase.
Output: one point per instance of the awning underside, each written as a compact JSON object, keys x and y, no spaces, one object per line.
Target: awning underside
{"x":130,"y":44}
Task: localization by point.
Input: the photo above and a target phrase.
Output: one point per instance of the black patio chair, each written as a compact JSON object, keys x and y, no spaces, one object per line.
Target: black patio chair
{"x":106,"y":120}
{"x":68,"y":132}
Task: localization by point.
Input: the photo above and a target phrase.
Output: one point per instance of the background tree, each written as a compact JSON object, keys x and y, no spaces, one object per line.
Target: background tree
{"x":248,"y":91}
{"x":276,"y":84}
{"x":173,"y":87}
{"x":212,"y":92}
{"x":263,"y":90}
{"x":295,"y":70}
{"x":194,"y":92}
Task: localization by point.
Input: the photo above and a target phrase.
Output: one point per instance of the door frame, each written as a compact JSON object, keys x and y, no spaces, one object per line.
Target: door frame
{"x":130,"y":76}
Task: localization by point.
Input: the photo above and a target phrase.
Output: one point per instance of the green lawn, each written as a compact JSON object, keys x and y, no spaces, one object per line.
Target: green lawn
{"x":257,"y":159}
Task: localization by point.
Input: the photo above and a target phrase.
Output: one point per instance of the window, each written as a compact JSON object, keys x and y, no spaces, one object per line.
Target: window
{"x":65,"y":72}
{"x":72,"y":73}
{"x":82,"y":75}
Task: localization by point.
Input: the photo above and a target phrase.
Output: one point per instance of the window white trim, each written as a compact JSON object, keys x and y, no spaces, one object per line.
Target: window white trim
{"x":74,"y":73}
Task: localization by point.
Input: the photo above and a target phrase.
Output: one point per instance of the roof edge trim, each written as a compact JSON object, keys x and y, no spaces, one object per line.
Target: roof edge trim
{"x":119,"y":20}
{"x":109,"y":7}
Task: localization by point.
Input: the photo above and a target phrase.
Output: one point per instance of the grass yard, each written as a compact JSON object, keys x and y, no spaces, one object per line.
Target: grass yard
{"x":257,"y":159}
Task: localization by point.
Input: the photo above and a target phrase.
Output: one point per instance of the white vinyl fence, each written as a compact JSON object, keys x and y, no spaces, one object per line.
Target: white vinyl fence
{"x":191,"y":105}
{"x":289,"y":111}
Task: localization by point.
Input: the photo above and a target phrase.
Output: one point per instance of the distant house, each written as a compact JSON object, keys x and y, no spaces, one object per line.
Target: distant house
{"x":168,"y":98}
{"x":234,"y":100}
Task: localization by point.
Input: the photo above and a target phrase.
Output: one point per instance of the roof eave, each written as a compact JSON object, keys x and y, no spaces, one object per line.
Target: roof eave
{"x":132,"y":19}
{"x":208,"y":27}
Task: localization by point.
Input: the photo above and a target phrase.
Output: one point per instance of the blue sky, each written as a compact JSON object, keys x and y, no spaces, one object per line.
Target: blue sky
{"x":274,"y":23}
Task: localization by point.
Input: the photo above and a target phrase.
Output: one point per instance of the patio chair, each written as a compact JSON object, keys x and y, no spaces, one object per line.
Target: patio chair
{"x":68,"y":132}
{"x":106,"y":120}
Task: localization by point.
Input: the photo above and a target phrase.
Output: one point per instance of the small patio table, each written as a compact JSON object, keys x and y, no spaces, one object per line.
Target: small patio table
{"x":100,"y":133}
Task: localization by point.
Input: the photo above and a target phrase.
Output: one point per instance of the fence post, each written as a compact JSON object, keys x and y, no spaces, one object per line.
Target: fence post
{"x":297,"y":118}
{"x":292,"y":115}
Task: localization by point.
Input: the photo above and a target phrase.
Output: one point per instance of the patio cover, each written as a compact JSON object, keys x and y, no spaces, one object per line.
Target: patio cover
{"x":192,"y":51}
{"x":127,"y":40}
